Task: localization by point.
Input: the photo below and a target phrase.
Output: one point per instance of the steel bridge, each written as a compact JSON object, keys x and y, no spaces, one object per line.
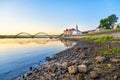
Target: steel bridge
{"x":35,"y":35}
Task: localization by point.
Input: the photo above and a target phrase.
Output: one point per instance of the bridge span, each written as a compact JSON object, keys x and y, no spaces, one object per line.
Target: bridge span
{"x":35,"y":35}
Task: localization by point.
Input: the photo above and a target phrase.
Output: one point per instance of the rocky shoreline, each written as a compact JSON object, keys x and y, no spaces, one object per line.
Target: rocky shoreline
{"x":81,"y":62}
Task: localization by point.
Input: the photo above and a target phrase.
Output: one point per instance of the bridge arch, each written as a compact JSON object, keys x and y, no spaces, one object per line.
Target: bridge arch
{"x":23,"y":33}
{"x":41,"y":33}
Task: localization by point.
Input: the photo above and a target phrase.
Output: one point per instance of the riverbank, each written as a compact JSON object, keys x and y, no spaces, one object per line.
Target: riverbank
{"x":87,"y":60}
{"x":111,"y":33}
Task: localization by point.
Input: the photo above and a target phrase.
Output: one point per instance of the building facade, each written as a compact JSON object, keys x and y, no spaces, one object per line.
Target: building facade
{"x":72,"y":31}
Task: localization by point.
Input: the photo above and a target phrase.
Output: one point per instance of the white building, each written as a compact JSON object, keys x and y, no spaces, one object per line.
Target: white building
{"x":72,"y":31}
{"x":77,"y":31}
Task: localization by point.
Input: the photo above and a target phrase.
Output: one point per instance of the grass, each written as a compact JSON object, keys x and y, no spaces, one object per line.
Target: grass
{"x":105,"y":66}
{"x":101,"y":39}
{"x":115,"y":42}
{"x":105,"y":31}
{"x":108,"y":52}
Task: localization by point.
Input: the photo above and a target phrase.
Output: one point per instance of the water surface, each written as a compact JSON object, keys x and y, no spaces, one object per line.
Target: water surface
{"x":17,"y":55}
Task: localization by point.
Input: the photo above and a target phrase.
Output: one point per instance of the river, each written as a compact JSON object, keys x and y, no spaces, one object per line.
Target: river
{"x":17,"y":55}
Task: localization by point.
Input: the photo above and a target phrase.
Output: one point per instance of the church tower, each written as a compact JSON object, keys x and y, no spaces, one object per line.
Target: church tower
{"x":76,"y":27}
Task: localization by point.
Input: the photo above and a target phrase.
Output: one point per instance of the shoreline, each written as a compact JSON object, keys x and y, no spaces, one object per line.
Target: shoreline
{"x":77,"y":63}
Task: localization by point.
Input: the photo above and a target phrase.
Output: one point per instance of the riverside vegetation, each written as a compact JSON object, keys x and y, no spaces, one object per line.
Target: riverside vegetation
{"x":89,"y":59}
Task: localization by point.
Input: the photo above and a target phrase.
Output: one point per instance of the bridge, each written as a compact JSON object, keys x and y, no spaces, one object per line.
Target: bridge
{"x":35,"y":35}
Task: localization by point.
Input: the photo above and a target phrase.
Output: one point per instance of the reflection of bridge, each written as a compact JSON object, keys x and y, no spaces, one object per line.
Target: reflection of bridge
{"x":35,"y":35}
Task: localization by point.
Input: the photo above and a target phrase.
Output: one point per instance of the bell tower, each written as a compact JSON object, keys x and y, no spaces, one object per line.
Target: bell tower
{"x":76,"y":27}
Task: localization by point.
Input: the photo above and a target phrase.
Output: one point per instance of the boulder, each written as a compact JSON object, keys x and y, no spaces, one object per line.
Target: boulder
{"x":114,"y":60}
{"x":53,"y":67}
{"x":93,"y":74}
{"x":100,"y":59}
{"x":86,"y":62}
{"x":82,"y":68}
{"x":48,"y":59}
{"x":72,"y":69}
{"x":76,"y":62}
{"x":30,"y":68}
{"x":65,"y":64}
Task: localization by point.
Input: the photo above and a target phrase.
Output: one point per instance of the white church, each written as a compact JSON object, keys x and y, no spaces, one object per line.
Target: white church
{"x":73,"y":31}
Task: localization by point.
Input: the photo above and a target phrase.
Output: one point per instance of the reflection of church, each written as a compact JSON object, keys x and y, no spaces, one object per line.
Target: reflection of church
{"x":72,"y":31}
{"x":68,"y":43}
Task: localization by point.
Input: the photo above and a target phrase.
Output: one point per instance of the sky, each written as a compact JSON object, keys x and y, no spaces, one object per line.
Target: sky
{"x":53,"y":16}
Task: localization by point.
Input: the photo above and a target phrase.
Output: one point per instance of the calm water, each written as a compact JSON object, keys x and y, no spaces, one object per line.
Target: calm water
{"x":17,"y":55}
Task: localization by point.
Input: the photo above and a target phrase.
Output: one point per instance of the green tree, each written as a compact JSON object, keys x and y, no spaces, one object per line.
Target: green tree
{"x":112,"y":19}
{"x":108,"y":22}
{"x":104,"y":24}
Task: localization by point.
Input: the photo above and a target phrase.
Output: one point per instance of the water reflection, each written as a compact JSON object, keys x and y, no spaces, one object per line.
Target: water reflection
{"x":68,"y":43}
{"x":26,"y":41}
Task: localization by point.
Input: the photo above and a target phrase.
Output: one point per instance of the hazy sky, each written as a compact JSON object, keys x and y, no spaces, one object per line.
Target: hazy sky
{"x":53,"y":16}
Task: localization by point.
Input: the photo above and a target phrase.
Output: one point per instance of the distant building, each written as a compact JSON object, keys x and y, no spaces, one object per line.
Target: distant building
{"x":77,"y":31}
{"x":115,"y":26}
{"x":89,"y":31}
{"x":72,"y":31}
{"x":98,"y":29}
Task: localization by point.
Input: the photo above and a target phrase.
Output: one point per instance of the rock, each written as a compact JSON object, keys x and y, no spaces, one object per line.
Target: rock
{"x":93,"y":74}
{"x":82,"y":56}
{"x":29,"y":73}
{"x":30,"y":68}
{"x":53,"y":67}
{"x":114,"y":60}
{"x":58,"y":73}
{"x":74,"y":79}
{"x":100,"y":59}
{"x":47,"y":58}
{"x":53,"y":74}
{"x":76,"y":49}
{"x":86,"y":48}
{"x":79,"y":77}
{"x":109,"y":65}
{"x":65,"y":64}
{"x":85,"y":62}
{"x":115,"y":77}
{"x":82,"y":68}
{"x":50,"y":58}
{"x":72,"y":69}
{"x":75,"y":62}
